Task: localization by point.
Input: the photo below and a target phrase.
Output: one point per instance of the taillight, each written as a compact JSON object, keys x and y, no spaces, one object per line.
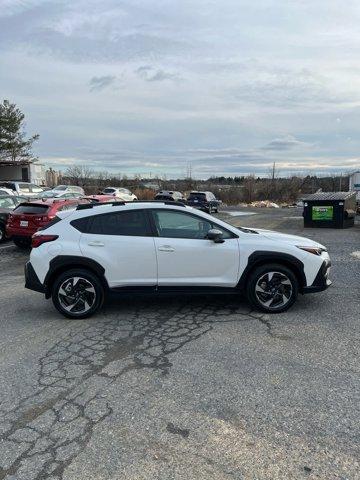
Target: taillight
{"x":38,"y":240}
{"x":43,"y":218}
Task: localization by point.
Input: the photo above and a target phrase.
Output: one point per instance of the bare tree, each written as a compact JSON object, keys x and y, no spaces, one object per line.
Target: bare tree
{"x":79,"y":175}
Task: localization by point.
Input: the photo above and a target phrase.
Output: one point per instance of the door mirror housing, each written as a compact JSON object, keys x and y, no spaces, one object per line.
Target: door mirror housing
{"x":215,"y":235}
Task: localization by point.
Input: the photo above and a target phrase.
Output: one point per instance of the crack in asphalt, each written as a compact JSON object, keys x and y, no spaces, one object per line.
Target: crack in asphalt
{"x":46,"y":430}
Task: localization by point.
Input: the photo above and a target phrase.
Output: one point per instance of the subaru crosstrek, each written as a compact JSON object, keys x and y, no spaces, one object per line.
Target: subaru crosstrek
{"x":168,"y":248}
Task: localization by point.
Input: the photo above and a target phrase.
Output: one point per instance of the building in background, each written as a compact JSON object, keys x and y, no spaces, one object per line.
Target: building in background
{"x":354,"y":184}
{"x":24,"y":171}
{"x":52,"y":177}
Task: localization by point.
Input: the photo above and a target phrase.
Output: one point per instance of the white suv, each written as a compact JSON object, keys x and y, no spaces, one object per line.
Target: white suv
{"x":122,"y":193}
{"x":163,"y":247}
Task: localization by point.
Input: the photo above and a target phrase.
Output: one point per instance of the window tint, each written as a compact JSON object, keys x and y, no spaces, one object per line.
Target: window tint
{"x":31,"y":208}
{"x":173,"y":224}
{"x":131,"y":223}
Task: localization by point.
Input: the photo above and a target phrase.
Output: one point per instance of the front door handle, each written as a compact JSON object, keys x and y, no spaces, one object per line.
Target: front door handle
{"x":96,"y":244}
{"x":166,"y":248}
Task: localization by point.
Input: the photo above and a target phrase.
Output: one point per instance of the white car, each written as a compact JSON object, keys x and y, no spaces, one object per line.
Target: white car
{"x":62,"y":189}
{"x":159,"y":248}
{"x":122,"y":193}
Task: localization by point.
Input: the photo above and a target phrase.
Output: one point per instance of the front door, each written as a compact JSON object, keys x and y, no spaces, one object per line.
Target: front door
{"x":187,"y":258}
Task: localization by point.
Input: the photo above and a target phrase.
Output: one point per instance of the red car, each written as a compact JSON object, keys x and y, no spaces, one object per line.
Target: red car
{"x":28,"y":217}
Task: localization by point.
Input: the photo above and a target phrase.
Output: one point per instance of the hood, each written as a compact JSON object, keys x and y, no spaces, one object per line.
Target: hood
{"x":286,"y":238}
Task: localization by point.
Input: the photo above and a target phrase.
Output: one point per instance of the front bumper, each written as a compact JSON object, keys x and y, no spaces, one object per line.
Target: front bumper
{"x":32,"y":281}
{"x":322,"y":281}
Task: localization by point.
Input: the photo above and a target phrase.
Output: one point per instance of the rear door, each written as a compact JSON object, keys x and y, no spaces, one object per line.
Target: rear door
{"x":187,"y":258}
{"x":122,"y":243}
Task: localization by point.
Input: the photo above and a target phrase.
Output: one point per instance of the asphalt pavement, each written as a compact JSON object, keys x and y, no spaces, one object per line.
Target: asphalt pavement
{"x":184,"y":388}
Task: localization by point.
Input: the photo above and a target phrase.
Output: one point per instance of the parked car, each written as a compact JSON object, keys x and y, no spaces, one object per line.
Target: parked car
{"x":56,"y":194}
{"x":7,"y":205}
{"x":205,"y":201}
{"x":122,"y":193}
{"x":24,"y":189}
{"x":61,"y":189}
{"x":170,"y":196}
{"x":6,"y":192}
{"x":28,"y":217}
{"x":102,"y":198}
{"x":163,"y":248}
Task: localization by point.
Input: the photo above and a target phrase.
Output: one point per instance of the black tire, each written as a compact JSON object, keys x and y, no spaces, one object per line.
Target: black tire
{"x":2,"y":232}
{"x":272,"y":282}
{"x":87,"y":282}
{"x":22,"y":242}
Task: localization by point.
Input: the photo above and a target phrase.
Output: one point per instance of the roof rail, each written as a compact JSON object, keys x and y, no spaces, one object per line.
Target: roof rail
{"x":85,"y":206}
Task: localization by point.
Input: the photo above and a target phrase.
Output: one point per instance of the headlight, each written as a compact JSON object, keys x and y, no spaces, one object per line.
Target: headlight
{"x":314,"y":250}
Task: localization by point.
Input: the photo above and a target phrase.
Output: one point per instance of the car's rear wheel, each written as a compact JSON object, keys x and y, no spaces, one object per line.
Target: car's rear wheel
{"x":22,"y":242}
{"x":77,"y":293}
{"x":272,"y":288}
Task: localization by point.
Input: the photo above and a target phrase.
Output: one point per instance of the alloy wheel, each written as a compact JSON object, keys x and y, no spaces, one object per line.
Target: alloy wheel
{"x":76,"y":295}
{"x":273,"y":290}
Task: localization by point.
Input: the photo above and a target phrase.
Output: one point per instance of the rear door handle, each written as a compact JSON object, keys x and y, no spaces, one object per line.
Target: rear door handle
{"x":166,"y":248}
{"x":96,"y":244}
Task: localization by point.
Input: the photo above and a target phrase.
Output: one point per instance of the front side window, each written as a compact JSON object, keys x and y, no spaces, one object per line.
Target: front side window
{"x":130,"y":223}
{"x":174,"y":224}
{"x":36,"y":189}
{"x":24,"y":187}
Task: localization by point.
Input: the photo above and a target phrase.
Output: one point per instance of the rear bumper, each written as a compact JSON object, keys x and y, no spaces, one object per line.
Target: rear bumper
{"x":32,"y":281}
{"x":322,"y":281}
{"x":19,"y":232}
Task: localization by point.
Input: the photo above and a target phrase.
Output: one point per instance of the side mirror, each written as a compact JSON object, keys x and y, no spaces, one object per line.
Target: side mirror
{"x":215,"y":235}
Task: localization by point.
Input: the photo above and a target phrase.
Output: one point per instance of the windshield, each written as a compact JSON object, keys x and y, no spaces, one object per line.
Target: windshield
{"x":32,"y":208}
{"x":6,"y":202}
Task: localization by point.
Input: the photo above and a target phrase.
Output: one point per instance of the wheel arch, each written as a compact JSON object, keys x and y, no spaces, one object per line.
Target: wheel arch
{"x":62,"y":263}
{"x":260,"y":258}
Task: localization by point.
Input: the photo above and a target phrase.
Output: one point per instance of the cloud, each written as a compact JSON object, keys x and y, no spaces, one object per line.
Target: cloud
{"x":151,"y":74}
{"x":285,"y":143}
{"x":100,"y":83}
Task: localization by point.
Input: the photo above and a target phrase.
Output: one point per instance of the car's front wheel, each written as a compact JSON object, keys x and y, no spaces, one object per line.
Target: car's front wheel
{"x":272,"y":288}
{"x":77,"y":293}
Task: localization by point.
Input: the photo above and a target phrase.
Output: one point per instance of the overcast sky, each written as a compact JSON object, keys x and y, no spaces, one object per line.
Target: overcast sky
{"x":228,"y":86}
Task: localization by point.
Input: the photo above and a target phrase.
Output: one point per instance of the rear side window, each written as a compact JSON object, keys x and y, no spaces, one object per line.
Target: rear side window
{"x":32,"y":208}
{"x":109,"y":190}
{"x":130,"y":223}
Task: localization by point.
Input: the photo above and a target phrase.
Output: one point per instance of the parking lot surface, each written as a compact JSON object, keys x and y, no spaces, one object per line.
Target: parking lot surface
{"x":184,"y":388}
